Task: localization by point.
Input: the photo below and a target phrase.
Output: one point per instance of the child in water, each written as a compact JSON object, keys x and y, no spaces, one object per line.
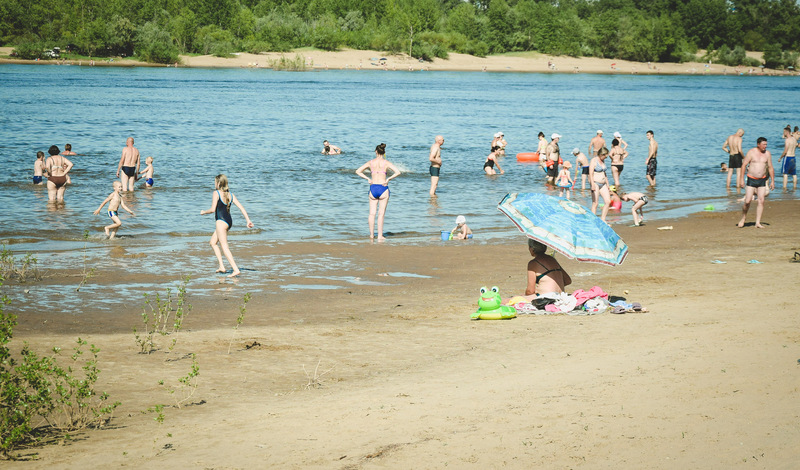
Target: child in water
{"x":38,"y":168}
{"x":564,"y":180}
{"x":464,"y":232}
{"x":723,"y":167}
{"x":639,"y":200}
{"x":114,"y":200}
{"x":221,"y":201}
{"x":147,"y":173}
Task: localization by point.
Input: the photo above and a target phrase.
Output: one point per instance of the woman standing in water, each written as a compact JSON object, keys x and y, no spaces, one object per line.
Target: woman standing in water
{"x":599,"y":181}
{"x":57,"y":166}
{"x":221,"y":200}
{"x":378,"y":187}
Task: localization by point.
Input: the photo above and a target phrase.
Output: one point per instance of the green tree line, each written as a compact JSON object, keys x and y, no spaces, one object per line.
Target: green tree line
{"x":652,"y":30}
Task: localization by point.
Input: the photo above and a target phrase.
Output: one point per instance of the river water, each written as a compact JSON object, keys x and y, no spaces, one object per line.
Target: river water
{"x":264,"y":129}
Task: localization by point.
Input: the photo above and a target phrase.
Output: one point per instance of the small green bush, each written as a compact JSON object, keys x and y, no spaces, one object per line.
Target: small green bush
{"x":30,"y":50}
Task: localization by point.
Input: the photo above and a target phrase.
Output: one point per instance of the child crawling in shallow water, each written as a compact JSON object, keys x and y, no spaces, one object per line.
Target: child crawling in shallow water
{"x":114,"y":201}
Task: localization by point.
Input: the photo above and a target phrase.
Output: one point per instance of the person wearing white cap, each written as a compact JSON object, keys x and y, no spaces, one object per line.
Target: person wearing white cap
{"x":582,"y":165}
{"x":624,"y":144}
{"x":596,"y":144}
{"x":553,"y":157}
{"x":461,"y":227}
{"x":499,"y":141}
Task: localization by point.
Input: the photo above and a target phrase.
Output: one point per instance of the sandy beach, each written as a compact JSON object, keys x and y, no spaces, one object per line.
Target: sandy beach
{"x":707,"y":378}
{"x":370,"y":60}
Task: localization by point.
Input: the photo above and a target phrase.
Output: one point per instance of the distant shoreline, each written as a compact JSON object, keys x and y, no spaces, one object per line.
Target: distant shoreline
{"x":350,"y":59}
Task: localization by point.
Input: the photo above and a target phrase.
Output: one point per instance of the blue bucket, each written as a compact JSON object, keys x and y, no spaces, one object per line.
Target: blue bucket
{"x":445,"y":235}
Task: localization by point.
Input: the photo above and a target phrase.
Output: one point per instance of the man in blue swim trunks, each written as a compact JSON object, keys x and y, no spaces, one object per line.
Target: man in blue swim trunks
{"x":759,"y":171}
{"x":435,"y":158}
{"x":129,"y":165}
{"x":788,"y":165}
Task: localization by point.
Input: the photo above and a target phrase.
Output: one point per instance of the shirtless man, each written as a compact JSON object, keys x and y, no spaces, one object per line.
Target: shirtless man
{"x":435,"y":157}
{"x":553,"y":157}
{"x":596,"y":144}
{"x":68,"y":151}
{"x":129,"y":164}
{"x":328,"y":149}
{"x":788,"y":166}
{"x":733,"y":145}
{"x":652,"y":164}
{"x":581,"y":165}
{"x":760,"y":169}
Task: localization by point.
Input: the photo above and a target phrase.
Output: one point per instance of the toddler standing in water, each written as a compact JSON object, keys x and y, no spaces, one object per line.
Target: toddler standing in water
{"x":114,"y":200}
{"x":564,"y":180}
{"x":147,"y":173}
{"x":38,"y":168}
{"x":221,"y":201}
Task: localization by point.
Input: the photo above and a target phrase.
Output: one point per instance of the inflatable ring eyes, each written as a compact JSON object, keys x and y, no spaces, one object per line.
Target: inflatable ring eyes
{"x":495,"y":289}
{"x":483,"y":290}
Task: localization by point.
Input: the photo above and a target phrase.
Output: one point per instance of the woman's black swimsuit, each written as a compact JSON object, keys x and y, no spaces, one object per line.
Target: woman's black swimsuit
{"x":223,"y":211}
{"x":540,"y":276}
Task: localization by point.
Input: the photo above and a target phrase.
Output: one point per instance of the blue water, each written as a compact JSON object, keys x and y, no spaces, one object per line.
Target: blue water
{"x":264,"y":130}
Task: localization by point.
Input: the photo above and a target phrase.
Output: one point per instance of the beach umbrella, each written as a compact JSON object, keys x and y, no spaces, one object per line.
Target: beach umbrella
{"x":564,"y":226}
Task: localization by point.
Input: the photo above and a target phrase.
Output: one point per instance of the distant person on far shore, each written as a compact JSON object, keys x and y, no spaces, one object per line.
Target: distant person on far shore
{"x":759,"y":171}
{"x":599,"y":181}
{"x":129,"y":165}
{"x":435,"y":159}
{"x":148,"y":172}
{"x":639,"y":200}
{"x":378,"y":187}
{"x":596,"y":144}
{"x":328,"y":149}
{"x":651,"y":162}
{"x":491,"y":161}
{"x":733,"y":146}
{"x":618,"y":156}
{"x":114,"y":201}
{"x":581,"y":165}
{"x":622,"y":143}
{"x":221,"y":200}
{"x":553,"y":158}
{"x":38,"y":168}
{"x":788,"y":165}
{"x":57,"y":166}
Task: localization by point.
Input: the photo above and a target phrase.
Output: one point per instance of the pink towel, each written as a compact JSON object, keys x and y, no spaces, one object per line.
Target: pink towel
{"x":583,"y":295}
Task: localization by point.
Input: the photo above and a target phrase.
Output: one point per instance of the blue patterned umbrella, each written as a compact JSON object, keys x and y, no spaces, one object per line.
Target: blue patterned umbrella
{"x":566,"y":227}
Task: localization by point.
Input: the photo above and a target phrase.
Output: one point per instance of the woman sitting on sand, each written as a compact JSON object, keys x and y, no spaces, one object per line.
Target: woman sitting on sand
{"x":378,"y":187}
{"x":58,"y":167}
{"x":221,"y":201}
{"x":599,"y":181}
{"x":545,"y":274}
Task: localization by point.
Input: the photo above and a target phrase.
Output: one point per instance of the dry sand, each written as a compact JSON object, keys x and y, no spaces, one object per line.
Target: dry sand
{"x":510,"y":62}
{"x":708,"y":378}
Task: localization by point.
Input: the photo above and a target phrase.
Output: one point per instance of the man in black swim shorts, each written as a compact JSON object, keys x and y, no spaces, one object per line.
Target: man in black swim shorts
{"x":435,"y":157}
{"x":733,"y":146}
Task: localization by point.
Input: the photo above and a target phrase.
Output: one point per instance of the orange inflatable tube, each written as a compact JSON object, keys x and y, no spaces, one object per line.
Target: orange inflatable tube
{"x":528,"y":157}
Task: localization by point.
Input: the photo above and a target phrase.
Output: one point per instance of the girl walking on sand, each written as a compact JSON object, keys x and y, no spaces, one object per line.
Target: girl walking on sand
{"x":221,"y":200}
{"x":378,"y":187}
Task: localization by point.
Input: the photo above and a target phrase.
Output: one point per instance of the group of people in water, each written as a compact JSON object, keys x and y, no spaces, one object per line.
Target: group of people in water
{"x":758,"y":167}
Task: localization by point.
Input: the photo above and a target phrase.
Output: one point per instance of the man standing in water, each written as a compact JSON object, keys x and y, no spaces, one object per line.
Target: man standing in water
{"x":553,"y":157}
{"x":652,"y":164}
{"x":760,"y":161}
{"x":435,"y":158}
{"x":129,"y":164}
{"x":788,"y":166}
{"x":596,"y":144}
{"x":733,"y":145}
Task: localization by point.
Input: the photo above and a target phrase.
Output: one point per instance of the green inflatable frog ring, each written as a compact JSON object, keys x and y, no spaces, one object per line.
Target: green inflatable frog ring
{"x":490,"y":306}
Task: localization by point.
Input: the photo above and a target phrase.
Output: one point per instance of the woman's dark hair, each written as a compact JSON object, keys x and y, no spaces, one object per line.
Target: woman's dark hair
{"x":541,"y":134}
{"x":381,"y":149}
{"x":495,"y":148}
{"x":327,"y":148}
{"x":615,"y":142}
{"x":53,"y":150}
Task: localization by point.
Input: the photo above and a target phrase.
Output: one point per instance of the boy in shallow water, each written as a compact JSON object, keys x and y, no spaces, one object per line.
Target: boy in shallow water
{"x":38,"y":168}
{"x":147,"y":173}
{"x":114,"y":200}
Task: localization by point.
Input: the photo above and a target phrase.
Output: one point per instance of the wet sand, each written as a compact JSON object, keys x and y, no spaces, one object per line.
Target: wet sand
{"x":352,"y":59}
{"x":707,"y":378}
